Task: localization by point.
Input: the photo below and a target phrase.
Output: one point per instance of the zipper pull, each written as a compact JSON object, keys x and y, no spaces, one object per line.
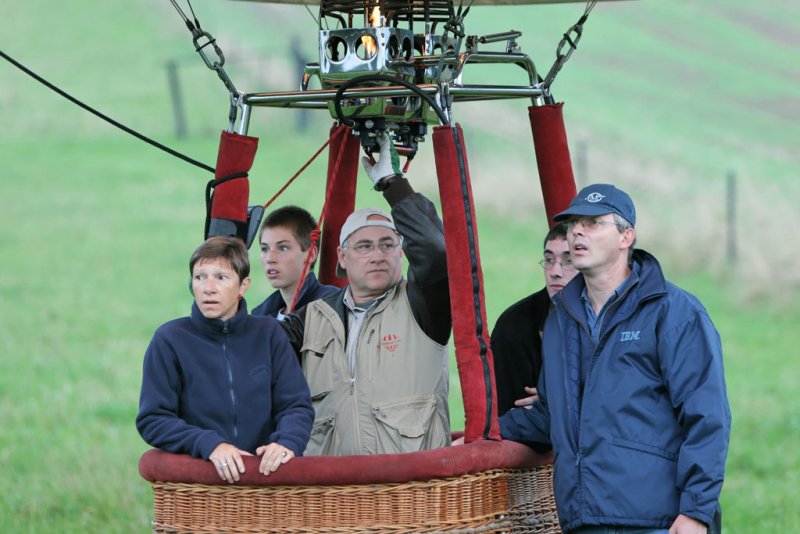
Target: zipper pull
{"x":352,"y":385}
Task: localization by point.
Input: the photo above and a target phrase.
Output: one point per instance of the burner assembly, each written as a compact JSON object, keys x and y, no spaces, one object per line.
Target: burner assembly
{"x":397,"y":65}
{"x":374,"y":45}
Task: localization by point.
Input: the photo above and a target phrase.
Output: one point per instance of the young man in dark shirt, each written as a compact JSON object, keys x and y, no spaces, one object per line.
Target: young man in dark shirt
{"x":285,"y":239}
{"x":517,"y":335}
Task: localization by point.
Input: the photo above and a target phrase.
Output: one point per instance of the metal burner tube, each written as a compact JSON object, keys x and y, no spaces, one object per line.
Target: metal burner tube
{"x":316,"y":99}
{"x":484,"y":58}
{"x":521,"y":60}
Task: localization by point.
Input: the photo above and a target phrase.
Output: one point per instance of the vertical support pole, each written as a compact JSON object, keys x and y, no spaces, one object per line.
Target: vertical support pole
{"x":298,"y":57}
{"x":581,"y":164}
{"x":176,"y":97}
{"x":730,"y":208}
{"x":244,"y":120}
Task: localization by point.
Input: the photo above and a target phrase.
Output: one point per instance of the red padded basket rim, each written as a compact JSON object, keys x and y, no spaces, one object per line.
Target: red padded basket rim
{"x":476,"y":457}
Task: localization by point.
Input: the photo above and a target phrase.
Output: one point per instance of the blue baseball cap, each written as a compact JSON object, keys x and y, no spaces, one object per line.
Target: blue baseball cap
{"x":599,"y":199}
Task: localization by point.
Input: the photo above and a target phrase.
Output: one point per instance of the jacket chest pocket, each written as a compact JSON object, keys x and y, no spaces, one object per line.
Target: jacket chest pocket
{"x":409,"y":425}
{"x":318,"y":367}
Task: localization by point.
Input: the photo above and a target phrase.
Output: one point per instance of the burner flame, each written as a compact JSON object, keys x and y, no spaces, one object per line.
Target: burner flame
{"x":375,"y":17}
{"x":375,"y":21}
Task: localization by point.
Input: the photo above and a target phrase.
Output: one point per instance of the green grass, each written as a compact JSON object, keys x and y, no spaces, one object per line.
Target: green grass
{"x":97,"y":227}
{"x":763,"y":465}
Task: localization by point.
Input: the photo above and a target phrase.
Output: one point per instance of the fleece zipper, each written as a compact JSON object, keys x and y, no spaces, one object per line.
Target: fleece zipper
{"x":231,"y":391}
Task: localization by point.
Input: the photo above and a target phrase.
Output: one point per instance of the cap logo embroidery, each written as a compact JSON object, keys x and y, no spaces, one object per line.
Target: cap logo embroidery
{"x":595,"y":197}
{"x":390,"y":342}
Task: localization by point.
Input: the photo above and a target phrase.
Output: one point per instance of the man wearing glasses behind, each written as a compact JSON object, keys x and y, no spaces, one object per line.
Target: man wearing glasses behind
{"x":375,"y":353}
{"x":517,"y":334}
{"x":633,"y":397}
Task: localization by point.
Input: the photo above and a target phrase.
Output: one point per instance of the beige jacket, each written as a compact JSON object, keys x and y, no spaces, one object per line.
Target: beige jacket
{"x":396,"y":400}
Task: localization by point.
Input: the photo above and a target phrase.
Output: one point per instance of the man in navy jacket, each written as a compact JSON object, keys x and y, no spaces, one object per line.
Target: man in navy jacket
{"x":633,"y":395}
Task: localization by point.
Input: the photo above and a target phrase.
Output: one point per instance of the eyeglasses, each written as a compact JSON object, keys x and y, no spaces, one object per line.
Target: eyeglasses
{"x":548,"y":263}
{"x":589,"y":223}
{"x":365,"y":248}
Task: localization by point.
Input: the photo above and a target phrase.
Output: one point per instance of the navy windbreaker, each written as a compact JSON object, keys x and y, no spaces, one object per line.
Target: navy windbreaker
{"x":647,"y":437}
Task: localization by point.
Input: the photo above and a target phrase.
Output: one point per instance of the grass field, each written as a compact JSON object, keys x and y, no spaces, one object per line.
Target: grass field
{"x":667,"y":97}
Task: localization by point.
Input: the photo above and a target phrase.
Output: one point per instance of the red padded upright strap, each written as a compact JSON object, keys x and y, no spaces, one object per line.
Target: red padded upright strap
{"x":552,"y":158}
{"x":236,"y":154}
{"x":470,"y":331}
{"x":343,"y":167}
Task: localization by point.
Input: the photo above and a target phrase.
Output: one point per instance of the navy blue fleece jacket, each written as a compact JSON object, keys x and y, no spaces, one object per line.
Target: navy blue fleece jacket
{"x":208,"y":381}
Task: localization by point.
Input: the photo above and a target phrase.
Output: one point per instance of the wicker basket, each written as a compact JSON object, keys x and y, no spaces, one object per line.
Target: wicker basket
{"x":489,"y":487}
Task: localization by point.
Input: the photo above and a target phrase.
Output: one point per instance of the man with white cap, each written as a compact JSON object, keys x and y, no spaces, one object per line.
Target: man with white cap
{"x":375,"y":353}
{"x":633,"y":396}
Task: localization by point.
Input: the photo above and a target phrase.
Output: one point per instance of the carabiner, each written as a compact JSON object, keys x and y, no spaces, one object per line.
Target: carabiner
{"x":216,"y":65}
{"x":562,"y":58}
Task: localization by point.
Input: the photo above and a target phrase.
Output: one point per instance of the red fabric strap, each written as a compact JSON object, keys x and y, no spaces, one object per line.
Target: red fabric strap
{"x":552,"y":158}
{"x":337,"y":133}
{"x":236,"y":154}
{"x":467,"y":302}
{"x":315,"y":234}
{"x":340,"y":200}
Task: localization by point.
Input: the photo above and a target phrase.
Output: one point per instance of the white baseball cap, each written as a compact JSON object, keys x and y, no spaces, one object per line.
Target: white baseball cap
{"x":361,"y":219}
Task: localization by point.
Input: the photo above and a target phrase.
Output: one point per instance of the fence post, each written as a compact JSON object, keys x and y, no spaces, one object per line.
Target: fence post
{"x":177,"y":98}
{"x":581,"y":164}
{"x":299,"y":63}
{"x":730,"y":208}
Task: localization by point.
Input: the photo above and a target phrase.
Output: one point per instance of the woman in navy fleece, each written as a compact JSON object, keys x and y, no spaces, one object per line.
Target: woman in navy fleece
{"x":222,"y":384}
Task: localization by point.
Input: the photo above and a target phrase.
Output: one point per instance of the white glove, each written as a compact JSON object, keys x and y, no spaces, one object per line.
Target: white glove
{"x":388,"y":163}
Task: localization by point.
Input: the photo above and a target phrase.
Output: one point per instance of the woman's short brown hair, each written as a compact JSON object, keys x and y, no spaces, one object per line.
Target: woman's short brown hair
{"x":231,"y":249}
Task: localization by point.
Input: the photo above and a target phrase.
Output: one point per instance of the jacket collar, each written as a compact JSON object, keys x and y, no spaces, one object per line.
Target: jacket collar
{"x":650,"y":283}
{"x":218,"y":327}
{"x":310,"y":284}
{"x":651,"y":278}
{"x":337,"y":301}
{"x":275,"y":303}
{"x":351,"y":305}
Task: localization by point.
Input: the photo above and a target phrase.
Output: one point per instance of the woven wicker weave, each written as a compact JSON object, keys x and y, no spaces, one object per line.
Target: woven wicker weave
{"x":532,"y":506}
{"x":502,"y":500}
